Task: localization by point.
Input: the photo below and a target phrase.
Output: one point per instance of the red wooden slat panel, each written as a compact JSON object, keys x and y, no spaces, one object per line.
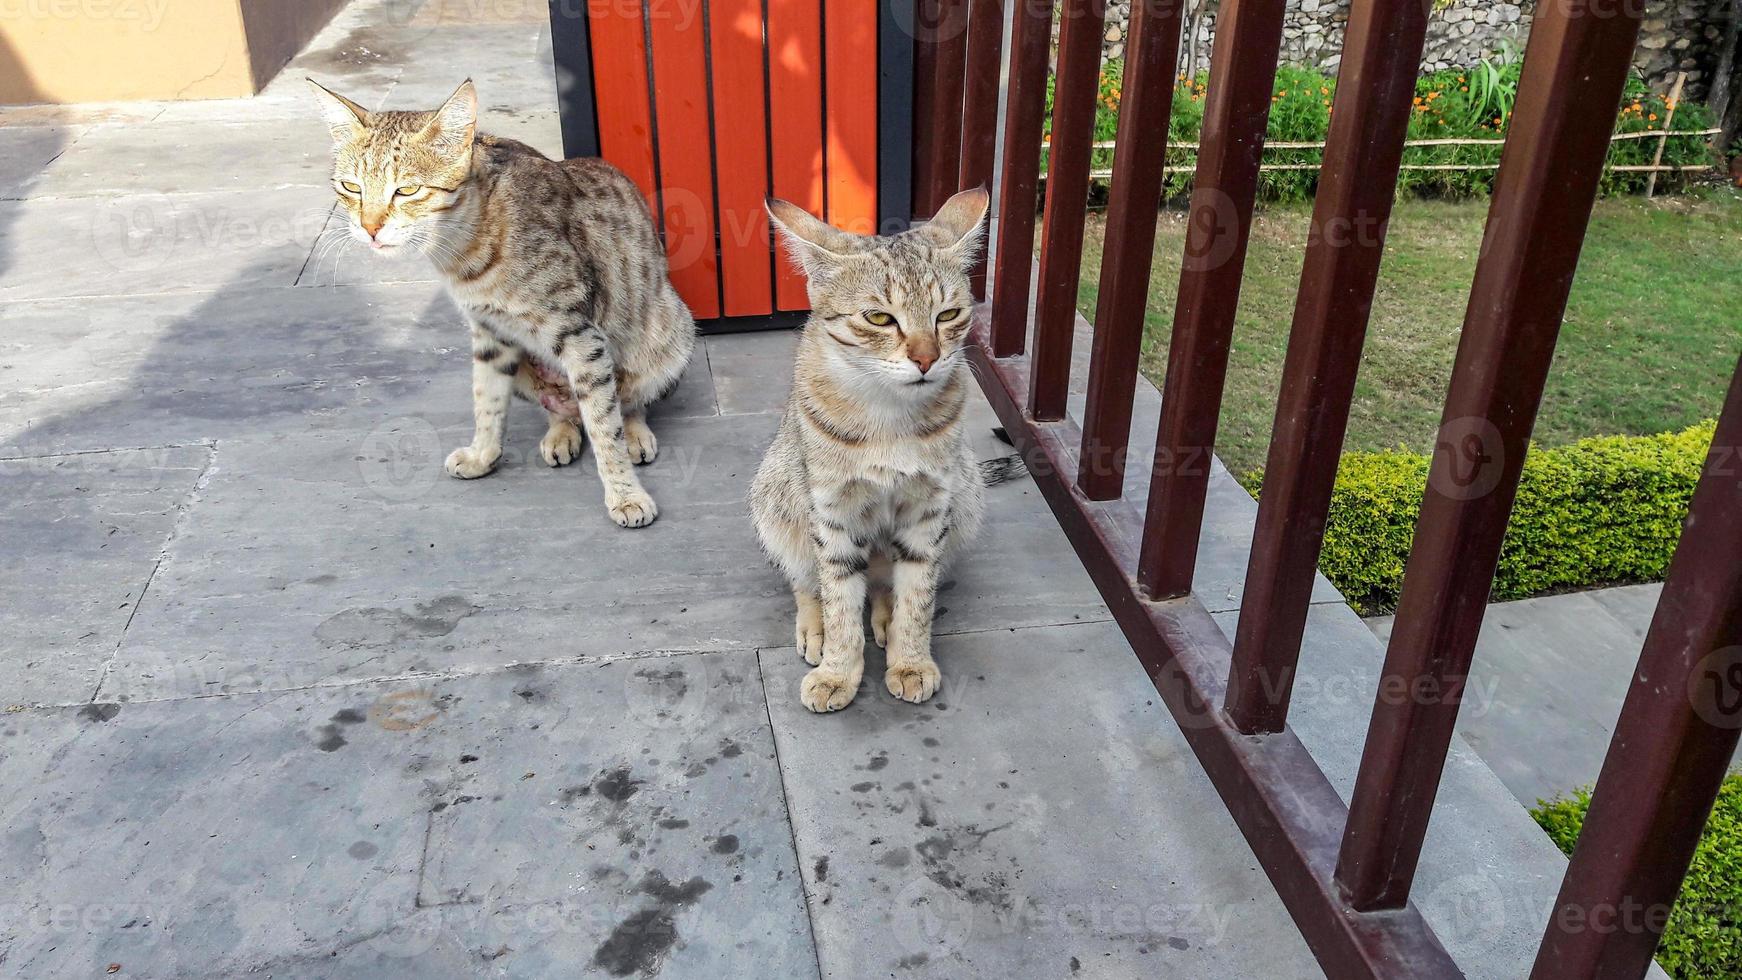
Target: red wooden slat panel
{"x":680,"y":94}
{"x":795,"y":125}
{"x":741,"y":123}
{"x":620,"y":86}
{"x":850,"y":44}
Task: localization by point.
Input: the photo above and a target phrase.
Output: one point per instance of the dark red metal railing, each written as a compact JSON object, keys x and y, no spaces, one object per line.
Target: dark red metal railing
{"x":1344,"y":871}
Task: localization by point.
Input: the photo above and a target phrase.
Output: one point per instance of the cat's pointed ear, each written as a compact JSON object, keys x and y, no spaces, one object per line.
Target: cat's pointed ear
{"x":959,"y":227}
{"x":344,"y":117}
{"x":457,"y":119}
{"x":815,"y":246}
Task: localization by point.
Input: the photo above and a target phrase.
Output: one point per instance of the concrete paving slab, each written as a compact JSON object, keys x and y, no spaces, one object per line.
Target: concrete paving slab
{"x":959,"y":838}
{"x":55,"y":248}
{"x":150,"y":370}
{"x":753,"y":371}
{"x":145,"y":370}
{"x":333,"y":557}
{"x":83,"y":534}
{"x":1631,"y":606}
{"x":1561,"y":657}
{"x":189,"y":156}
{"x":1488,"y":875}
{"x":26,"y":150}
{"x":288,"y":835}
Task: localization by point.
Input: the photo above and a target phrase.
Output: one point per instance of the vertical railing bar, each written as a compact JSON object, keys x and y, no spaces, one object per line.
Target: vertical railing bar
{"x":1242,"y":80}
{"x":1345,"y":243}
{"x":1574,"y":68}
{"x":1025,"y":107}
{"x":950,"y":53}
{"x":1672,"y":745}
{"x":1067,"y":194}
{"x":1139,"y":161}
{"x":980,"y":107}
{"x":925,"y":82}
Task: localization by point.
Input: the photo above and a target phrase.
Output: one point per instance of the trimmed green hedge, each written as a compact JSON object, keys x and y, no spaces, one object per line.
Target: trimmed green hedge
{"x":1703,"y":940}
{"x":1599,"y":511}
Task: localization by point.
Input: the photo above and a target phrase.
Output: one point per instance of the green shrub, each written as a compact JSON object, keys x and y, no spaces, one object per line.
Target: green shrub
{"x":1599,"y":511}
{"x":1457,"y":103}
{"x":1703,"y":940}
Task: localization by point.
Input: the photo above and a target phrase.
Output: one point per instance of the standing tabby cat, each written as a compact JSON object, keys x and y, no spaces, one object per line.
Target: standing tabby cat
{"x":556,"y":266}
{"x":870,"y":486}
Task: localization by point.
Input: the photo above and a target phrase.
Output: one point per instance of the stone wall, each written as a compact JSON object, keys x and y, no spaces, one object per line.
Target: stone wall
{"x":1678,"y":35}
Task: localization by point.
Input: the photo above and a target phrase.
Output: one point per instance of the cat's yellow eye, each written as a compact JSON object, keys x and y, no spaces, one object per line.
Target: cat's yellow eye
{"x":878,"y":318}
{"x":408,"y":190}
{"x":948,"y":315}
{"x":351,"y":187}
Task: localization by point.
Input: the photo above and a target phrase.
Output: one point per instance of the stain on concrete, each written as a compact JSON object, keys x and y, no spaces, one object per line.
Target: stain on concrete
{"x":376,"y":626}
{"x":821,"y":869}
{"x":362,"y":850}
{"x":638,"y":944}
{"x":331,"y":740}
{"x":350,"y":716}
{"x":726,"y":844}
{"x":99,"y":712}
{"x":898,"y":858}
{"x":617,"y":785}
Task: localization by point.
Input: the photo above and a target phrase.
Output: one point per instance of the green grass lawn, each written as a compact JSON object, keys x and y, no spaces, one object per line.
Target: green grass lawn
{"x":1652,"y":332}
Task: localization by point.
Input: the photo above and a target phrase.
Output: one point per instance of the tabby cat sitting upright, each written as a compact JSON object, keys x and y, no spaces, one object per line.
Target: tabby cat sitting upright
{"x":870,"y":485}
{"x":555,"y":264}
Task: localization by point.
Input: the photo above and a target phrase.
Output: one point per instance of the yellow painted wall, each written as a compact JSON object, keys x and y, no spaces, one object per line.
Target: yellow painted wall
{"x":114,"y":50}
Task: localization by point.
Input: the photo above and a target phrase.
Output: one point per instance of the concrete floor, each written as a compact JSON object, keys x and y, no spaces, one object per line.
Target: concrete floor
{"x":281,"y":699}
{"x":1549,"y":677}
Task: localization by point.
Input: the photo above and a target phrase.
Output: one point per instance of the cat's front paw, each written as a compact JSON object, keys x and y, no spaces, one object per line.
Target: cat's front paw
{"x":913,"y":680}
{"x":808,"y":634}
{"x":643,"y":445}
{"x":561,"y":445}
{"x":826,"y":689}
{"x":631,"y":508}
{"x":467,"y":463}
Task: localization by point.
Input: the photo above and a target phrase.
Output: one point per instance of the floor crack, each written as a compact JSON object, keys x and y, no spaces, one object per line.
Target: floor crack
{"x":175,"y":530}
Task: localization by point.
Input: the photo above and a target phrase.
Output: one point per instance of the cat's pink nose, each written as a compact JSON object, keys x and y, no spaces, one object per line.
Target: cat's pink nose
{"x":923,"y":361}
{"x":373,"y":227}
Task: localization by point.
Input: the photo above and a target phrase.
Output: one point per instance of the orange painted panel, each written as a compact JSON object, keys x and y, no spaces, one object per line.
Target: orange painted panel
{"x":851,"y":49}
{"x":620,"y":84}
{"x":741,"y":133}
{"x":686,"y":179}
{"x":795,"y":126}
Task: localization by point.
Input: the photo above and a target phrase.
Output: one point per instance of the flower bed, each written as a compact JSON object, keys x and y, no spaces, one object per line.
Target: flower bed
{"x":1458,"y":104}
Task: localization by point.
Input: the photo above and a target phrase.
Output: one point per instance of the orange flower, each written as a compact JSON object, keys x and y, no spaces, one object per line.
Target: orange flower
{"x":1652,"y":117}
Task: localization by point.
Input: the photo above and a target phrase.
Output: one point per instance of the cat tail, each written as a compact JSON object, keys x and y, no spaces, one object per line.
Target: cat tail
{"x":1004,"y":469}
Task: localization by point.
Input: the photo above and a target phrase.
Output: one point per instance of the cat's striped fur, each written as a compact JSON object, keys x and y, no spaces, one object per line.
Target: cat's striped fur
{"x":870,"y":487}
{"x":556,"y":266}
